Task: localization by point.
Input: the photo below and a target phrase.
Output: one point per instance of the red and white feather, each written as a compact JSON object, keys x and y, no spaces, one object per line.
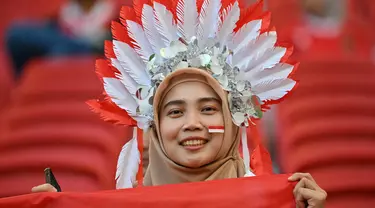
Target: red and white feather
{"x":128,"y":164}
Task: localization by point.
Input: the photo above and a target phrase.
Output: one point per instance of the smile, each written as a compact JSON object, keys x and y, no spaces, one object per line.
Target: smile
{"x":195,"y":142}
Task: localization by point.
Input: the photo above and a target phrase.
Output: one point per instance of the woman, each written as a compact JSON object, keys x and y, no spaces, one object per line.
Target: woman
{"x":187,"y":152}
{"x":321,"y":20}
{"x":193,"y":96}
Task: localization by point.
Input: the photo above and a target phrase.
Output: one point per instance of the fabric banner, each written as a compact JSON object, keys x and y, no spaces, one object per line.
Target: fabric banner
{"x":254,"y":192}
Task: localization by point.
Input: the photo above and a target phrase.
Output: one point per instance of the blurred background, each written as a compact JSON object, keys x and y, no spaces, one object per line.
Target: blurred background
{"x":47,"y":60}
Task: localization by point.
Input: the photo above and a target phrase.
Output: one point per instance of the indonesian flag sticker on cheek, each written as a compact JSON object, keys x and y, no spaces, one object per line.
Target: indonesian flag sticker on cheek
{"x":216,"y":129}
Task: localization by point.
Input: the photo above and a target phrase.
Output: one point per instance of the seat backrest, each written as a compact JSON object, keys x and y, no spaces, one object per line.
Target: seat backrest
{"x":48,"y":124}
{"x":327,"y":125}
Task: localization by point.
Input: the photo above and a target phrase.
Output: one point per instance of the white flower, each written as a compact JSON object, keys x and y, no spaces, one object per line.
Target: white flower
{"x":171,"y":51}
{"x":238,"y":118}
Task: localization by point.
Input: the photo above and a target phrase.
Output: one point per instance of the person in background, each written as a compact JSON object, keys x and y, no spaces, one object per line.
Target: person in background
{"x":80,"y":27}
{"x":322,"y":19}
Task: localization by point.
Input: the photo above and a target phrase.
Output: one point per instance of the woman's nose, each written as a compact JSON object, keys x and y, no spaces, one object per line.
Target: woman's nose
{"x":193,"y":122}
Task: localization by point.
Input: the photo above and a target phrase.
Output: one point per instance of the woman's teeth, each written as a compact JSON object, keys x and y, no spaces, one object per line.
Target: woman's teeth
{"x":194,"y":142}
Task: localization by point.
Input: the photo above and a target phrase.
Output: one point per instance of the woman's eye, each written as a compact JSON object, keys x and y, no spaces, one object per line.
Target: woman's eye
{"x":174,"y":112}
{"x":209,"y":109}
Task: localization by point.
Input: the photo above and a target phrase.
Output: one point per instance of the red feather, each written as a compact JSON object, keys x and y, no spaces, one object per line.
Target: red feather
{"x":266,"y":22}
{"x":110,"y":112}
{"x":242,"y":4}
{"x":174,"y":9}
{"x":127,"y":13}
{"x":120,"y":33}
{"x":138,"y":8}
{"x":105,"y":69}
{"x":288,"y":53}
{"x":253,"y":12}
{"x":225,"y":4}
{"x":199,"y":5}
{"x":108,"y":50}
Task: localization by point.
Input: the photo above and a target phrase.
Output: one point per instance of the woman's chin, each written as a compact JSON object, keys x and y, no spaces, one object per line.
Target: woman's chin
{"x":195,"y":162}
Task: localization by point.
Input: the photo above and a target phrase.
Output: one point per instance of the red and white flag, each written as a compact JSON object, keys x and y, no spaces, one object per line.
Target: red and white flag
{"x":216,"y":129}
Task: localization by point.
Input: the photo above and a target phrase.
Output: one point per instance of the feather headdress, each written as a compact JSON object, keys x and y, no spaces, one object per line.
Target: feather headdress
{"x":234,"y":44}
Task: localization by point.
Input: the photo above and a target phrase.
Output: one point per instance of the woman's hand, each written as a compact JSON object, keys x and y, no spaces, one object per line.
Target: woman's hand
{"x":307,"y":192}
{"x":43,"y":188}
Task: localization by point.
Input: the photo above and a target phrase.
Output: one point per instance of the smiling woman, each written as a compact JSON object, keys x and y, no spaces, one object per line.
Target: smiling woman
{"x":182,"y":149}
{"x":194,"y":74}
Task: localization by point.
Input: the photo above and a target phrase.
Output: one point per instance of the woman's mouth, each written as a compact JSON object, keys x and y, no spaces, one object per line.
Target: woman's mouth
{"x":193,"y":144}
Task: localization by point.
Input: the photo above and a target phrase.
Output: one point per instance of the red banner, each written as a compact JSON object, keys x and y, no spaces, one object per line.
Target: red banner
{"x":254,"y":192}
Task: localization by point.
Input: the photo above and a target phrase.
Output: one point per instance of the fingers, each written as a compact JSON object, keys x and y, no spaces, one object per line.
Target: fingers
{"x":299,"y":176}
{"x":43,"y":188}
{"x":306,"y":183}
{"x":301,"y":204}
{"x":307,"y":192}
{"x":303,"y":194}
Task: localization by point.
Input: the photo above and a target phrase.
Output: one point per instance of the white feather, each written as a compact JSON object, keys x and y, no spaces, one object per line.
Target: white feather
{"x":208,"y":20}
{"x":152,"y":33}
{"x":143,"y":122}
{"x":273,"y":89}
{"x":268,"y":59}
{"x":128,"y":163}
{"x":253,"y":50}
{"x":164,"y":23}
{"x":125,"y":78}
{"x":247,"y":33}
{"x":131,"y":62}
{"x":187,"y":16}
{"x":143,"y":47}
{"x":280,"y":71}
{"x":120,"y":95}
{"x":245,"y":151}
{"x":230,"y":17}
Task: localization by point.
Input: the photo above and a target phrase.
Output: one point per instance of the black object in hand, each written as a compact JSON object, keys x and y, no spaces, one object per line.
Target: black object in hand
{"x":50,"y":178}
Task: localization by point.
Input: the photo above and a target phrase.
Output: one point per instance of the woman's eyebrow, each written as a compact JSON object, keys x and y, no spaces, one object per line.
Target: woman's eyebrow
{"x":200,"y":100}
{"x":209,"y":99}
{"x":174,"y":102}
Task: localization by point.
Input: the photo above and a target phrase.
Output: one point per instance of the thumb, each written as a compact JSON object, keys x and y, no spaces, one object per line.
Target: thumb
{"x":43,"y":188}
{"x":135,"y":184}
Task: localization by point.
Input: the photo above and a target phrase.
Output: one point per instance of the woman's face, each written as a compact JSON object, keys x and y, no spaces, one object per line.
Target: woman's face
{"x":186,"y":113}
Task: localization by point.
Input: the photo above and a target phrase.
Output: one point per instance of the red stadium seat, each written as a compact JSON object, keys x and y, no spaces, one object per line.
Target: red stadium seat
{"x":13,"y":11}
{"x":327,"y":126}
{"x":48,"y":124}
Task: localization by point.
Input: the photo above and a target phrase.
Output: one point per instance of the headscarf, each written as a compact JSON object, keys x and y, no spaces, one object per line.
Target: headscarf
{"x":228,"y":162}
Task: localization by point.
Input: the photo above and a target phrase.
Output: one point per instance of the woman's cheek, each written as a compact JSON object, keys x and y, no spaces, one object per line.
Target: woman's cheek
{"x":216,"y":119}
{"x":169,"y":128}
